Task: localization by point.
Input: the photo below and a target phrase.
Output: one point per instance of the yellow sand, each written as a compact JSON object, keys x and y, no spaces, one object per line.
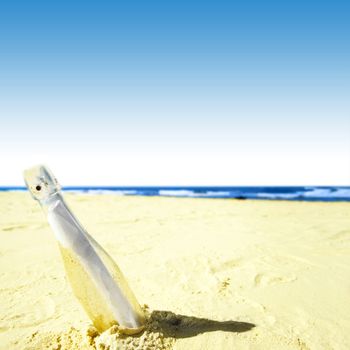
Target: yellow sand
{"x":207,"y":269}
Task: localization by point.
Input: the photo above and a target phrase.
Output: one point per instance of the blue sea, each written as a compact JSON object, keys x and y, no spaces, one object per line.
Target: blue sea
{"x":307,"y":193}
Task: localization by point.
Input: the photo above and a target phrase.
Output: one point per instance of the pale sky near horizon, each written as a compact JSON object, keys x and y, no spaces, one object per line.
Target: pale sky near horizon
{"x":176,"y":93}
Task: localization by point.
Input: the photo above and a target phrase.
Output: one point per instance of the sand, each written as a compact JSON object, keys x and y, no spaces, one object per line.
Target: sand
{"x":213,"y":274}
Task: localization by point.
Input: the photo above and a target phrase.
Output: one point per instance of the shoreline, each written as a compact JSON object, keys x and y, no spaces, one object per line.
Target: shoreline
{"x":290,"y":193}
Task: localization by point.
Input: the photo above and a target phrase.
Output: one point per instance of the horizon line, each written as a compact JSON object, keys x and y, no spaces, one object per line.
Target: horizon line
{"x":72,"y":187}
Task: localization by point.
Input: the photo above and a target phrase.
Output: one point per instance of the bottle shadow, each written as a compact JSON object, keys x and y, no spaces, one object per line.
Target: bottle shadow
{"x":180,"y":326}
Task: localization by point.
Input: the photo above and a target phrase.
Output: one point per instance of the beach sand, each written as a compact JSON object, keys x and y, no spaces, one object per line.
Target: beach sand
{"x":213,"y":274}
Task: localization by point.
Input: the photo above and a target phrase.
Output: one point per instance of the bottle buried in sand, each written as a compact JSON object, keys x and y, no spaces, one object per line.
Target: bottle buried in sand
{"x":95,"y":278}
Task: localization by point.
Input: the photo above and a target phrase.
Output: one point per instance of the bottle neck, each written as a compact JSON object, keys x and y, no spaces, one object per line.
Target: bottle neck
{"x":51,"y":201}
{"x":56,"y":207}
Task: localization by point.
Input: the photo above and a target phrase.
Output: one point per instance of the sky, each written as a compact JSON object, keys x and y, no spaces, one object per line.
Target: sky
{"x":176,"y":92}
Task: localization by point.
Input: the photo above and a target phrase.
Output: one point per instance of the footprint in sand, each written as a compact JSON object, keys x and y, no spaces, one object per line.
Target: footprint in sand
{"x":290,"y":263}
{"x":341,"y":236}
{"x":263,"y":280}
{"x":250,"y":310}
{"x":18,"y":314}
{"x":13,"y":227}
{"x":226,"y":265}
{"x":22,"y":227}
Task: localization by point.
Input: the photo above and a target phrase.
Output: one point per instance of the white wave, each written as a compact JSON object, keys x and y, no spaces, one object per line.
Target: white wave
{"x":328,"y":193}
{"x":102,"y":191}
{"x":279,"y":195}
{"x":177,"y":193}
{"x":189,"y":193}
{"x":216,"y":193}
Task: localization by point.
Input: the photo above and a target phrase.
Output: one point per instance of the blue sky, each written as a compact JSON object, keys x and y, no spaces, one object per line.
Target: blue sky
{"x":176,"y":92}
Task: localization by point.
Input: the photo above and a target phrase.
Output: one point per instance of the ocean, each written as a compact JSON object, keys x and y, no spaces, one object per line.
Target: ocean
{"x":300,"y":193}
